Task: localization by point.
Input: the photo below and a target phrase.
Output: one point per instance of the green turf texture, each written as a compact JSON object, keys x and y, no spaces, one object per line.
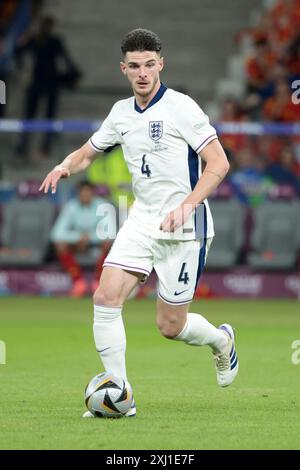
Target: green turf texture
{"x":51,"y":357}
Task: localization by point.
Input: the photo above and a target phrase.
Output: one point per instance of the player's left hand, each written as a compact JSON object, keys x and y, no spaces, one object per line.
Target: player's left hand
{"x":53,"y":178}
{"x":176,"y":218}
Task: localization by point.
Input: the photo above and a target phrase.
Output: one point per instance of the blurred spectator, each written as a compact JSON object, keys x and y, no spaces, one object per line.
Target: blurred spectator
{"x":293,"y":58}
{"x":258,"y":70}
{"x":258,"y":66}
{"x":284,"y":172}
{"x":270,"y":71}
{"x":280,"y":107}
{"x":15,"y":18}
{"x":277,"y":26}
{"x":270,"y":146}
{"x":277,"y":74}
{"x":47,"y":51}
{"x":262,"y":30}
{"x":276,"y":58}
{"x":248,"y":180}
{"x":285,"y":18}
{"x":75,"y":232}
{"x":231,"y":112}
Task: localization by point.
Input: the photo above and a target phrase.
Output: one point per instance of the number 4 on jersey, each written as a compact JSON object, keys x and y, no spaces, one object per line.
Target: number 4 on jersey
{"x":184,"y":275}
{"x":145,"y":167}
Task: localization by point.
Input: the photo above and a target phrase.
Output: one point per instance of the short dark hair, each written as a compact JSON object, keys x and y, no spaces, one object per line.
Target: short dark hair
{"x":85,"y":184}
{"x":141,"y":40}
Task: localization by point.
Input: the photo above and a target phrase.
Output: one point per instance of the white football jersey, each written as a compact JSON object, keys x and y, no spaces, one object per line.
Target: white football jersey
{"x":161,"y":145}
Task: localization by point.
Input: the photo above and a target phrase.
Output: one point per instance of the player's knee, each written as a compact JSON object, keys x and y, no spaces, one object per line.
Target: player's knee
{"x":169,"y":328}
{"x":61,"y":247}
{"x":108,"y":296}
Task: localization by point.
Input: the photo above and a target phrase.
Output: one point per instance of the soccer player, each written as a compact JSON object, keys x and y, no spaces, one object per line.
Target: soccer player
{"x":164,"y":136}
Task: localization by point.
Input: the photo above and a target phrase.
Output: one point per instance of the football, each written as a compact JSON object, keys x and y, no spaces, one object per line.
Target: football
{"x":108,"y":396}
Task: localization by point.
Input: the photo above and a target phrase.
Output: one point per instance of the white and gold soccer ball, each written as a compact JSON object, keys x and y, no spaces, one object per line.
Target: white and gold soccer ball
{"x":108,"y":396}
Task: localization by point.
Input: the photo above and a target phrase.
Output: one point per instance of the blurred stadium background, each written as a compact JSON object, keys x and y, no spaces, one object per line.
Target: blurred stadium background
{"x":241,"y":65}
{"x":240,"y":60}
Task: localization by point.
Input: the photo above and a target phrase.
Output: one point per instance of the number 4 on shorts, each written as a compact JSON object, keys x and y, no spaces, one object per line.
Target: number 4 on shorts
{"x":184,"y":275}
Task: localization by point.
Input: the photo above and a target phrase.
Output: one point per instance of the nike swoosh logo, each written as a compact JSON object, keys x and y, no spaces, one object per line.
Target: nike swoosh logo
{"x":123,"y":133}
{"x":178,"y":293}
{"x":102,"y":350}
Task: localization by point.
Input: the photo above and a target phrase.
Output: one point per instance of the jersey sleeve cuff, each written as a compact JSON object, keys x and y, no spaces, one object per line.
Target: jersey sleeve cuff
{"x":94,"y":146}
{"x":205,"y":142}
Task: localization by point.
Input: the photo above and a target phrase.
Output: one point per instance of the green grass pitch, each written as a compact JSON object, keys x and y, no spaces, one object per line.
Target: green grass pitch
{"x":51,"y":357}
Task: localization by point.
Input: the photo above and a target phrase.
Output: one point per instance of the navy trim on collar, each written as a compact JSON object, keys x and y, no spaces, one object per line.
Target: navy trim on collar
{"x":155,"y":99}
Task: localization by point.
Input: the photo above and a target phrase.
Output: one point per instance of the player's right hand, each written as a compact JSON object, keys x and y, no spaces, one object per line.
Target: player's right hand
{"x":53,"y":178}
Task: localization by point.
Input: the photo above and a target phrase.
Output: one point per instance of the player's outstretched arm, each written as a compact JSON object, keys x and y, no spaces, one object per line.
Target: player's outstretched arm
{"x":74,"y":163}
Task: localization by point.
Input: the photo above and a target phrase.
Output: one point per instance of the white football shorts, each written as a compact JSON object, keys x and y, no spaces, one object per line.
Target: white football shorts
{"x":178,"y":264}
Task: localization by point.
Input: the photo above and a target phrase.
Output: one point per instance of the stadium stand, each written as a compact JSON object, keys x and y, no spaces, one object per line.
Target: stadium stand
{"x":25,"y":232}
{"x":229,"y":218}
{"x":200,"y":50}
{"x":251,"y":106}
{"x":276,"y":236}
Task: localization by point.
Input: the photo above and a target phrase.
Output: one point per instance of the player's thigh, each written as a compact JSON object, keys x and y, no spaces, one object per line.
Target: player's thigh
{"x":128,"y":262}
{"x":62,"y":247}
{"x":131,"y":251}
{"x":178,"y":265}
{"x":115,"y":285}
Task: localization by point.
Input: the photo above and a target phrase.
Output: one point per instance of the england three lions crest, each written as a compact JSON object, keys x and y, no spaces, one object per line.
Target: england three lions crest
{"x":156,"y":130}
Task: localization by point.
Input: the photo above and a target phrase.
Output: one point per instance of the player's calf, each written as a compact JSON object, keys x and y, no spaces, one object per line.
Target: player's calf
{"x":109,"y":332}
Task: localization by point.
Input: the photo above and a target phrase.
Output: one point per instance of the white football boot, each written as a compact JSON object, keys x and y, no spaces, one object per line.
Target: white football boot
{"x":130,"y":413}
{"x":227,"y":364}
